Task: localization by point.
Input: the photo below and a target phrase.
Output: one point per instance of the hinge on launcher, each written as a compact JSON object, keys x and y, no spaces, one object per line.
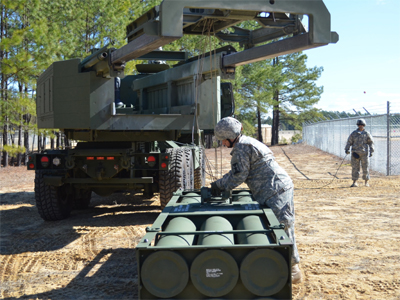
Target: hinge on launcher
{"x":151,"y":229}
{"x":280,"y":226}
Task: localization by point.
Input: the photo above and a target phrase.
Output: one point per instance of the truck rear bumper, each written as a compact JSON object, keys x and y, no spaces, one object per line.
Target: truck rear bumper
{"x":59,"y":180}
{"x":110,"y":181}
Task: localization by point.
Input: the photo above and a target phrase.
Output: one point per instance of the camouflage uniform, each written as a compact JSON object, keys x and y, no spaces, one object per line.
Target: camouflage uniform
{"x":360,"y":141}
{"x":253,"y":163}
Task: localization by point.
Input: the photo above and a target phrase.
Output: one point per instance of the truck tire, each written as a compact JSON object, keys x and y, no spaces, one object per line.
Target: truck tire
{"x":199,"y":172}
{"x":52,"y":202}
{"x":178,"y":176}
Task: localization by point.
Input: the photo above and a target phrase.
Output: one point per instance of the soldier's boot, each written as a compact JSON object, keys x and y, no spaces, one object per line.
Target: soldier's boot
{"x":366,"y":183}
{"x":354,"y":184}
{"x":297,"y":277}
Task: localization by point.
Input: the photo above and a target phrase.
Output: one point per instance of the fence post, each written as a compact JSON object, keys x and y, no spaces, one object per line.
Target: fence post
{"x":388,"y":140}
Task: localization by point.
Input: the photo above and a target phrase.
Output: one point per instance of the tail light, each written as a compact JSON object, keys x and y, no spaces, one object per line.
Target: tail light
{"x":44,"y":160}
{"x":151,"y":160}
{"x":31,"y":165}
{"x":164,"y":161}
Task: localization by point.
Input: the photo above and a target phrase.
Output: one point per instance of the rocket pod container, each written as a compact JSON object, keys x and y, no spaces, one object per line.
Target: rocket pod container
{"x":215,"y":248}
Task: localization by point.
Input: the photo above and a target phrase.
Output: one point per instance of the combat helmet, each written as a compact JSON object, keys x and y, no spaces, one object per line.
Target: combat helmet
{"x":361,"y":122}
{"x":228,"y":129}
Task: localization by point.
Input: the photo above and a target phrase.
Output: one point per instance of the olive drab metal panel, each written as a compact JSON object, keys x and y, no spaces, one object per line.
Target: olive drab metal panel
{"x":165,"y":101}
{"x":44,"y":99}
{"x":79,"y":100}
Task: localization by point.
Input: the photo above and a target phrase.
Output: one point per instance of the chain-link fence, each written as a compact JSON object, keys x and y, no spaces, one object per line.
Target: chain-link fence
{"x":331,"y":136}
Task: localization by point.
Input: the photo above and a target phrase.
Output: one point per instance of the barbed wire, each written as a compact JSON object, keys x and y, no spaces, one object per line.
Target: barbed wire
{"x":360,"y":112}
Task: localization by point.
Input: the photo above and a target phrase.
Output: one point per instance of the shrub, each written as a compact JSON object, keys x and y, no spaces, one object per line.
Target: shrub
{"x":296,"y":137}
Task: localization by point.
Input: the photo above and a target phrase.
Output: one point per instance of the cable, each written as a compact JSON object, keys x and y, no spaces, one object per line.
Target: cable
{"x":334,"y":176}
{"x":210,"y":168}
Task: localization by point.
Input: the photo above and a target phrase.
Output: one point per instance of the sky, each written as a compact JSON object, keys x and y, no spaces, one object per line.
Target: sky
{"x":363,"y":68}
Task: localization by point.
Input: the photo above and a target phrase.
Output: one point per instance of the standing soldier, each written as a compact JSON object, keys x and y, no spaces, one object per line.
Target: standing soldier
{"x":360,"y":140}
{"x":253,"y":163}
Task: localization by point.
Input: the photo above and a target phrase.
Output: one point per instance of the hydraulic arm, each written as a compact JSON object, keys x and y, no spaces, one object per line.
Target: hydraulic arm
{"x":281,"y":18}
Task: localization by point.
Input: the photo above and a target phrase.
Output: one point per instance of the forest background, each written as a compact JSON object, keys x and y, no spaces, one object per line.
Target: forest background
{"x":35,"y":33}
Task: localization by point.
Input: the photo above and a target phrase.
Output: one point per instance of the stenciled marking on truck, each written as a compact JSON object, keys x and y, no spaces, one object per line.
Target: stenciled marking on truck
{"x":182,"y":208}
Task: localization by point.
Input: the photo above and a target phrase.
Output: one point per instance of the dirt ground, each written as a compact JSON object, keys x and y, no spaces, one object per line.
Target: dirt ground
{"x":348,"y":238}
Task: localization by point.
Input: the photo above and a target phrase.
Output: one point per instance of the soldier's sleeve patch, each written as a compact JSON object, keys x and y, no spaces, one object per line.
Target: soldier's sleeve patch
{"x":236,"y":168}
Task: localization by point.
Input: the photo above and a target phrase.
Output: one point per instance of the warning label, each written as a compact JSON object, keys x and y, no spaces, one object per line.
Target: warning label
{"x":214,"y":273}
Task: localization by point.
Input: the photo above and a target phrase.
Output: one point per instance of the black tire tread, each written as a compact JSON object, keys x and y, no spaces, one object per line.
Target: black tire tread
{"x":48,"y":200}
{"x":170,"y":181}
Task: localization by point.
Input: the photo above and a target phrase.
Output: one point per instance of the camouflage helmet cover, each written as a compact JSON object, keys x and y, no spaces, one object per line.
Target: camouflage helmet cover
{"x":361,"y":122}
{"x":227,"y":129}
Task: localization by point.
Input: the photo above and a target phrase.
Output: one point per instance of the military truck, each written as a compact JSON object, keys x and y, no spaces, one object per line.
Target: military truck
{"x":145,"y":132}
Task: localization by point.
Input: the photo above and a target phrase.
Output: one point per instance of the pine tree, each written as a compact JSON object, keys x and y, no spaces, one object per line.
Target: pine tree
{"x":253,"y":90}
{"x":284,"y":84}
{"x":34,"y":34}
{"x":19,"y":68}
{"x":294,"y":87}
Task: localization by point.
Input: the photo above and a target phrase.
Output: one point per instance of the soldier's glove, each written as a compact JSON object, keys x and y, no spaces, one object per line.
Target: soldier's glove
{"x":347,"y":152}
{"x":370,"y":154}
{"x":215,"y":190}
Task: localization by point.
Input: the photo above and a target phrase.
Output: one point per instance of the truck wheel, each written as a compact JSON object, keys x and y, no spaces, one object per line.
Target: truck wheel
{"x":178,"y":176}
{"x":52,"y":202}
{"x":83,"y":200}
{"x":199,"y":172}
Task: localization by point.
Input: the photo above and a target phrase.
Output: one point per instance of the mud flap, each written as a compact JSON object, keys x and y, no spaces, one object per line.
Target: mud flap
{"x":53,"y":180}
